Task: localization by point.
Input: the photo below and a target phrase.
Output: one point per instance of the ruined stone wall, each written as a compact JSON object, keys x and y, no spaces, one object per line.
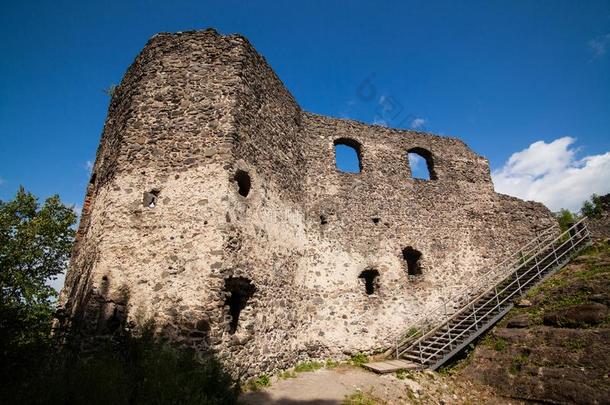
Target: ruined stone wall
{"x":169,"y":131}
{"x":214,"y":193}
{"x":458,"y":223}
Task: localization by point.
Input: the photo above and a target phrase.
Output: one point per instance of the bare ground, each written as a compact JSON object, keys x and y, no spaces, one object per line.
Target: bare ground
{"x":337,"y":385}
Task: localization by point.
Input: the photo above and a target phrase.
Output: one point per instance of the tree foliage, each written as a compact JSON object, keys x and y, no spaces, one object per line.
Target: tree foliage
{"x":35,"y":244}
{"x":566,"y":219}
{"x":127,"y":370}
{"x":593,"y":208}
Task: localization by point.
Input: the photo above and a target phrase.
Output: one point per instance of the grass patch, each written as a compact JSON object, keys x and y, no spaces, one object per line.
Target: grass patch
{"x":402,"y":374}
{"x":413,"y":332}
{"x":592,"y":272}
{"x":330,"y":363}
{"x":287,"y":374}
{"x":500,"y":344}
{"x":258,"y":383}
{"x":574,"y":344}
{"x":496,"y":343}
{"x":518,"y":363}
{"x":358,"y":359}
{"x":308,"y":366}
{"x":361,"y":398}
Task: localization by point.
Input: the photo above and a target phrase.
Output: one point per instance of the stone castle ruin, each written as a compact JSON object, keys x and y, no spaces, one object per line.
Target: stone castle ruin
{"x":215,"y":209}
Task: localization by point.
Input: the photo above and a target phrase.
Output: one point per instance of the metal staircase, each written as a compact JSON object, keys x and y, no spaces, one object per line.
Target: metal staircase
{"x":461,"y":318}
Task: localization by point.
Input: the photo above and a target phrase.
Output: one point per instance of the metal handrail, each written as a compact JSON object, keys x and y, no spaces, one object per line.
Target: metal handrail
{"x":515,"y":271}
{"x":515,"y":259}
{"x":470,"y":326}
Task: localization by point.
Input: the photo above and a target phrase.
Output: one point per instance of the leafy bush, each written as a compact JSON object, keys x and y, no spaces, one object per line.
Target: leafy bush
{"x":132,"y":370}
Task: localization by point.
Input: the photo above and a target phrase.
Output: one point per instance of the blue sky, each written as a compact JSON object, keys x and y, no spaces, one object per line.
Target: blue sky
{"x":524,"y":83}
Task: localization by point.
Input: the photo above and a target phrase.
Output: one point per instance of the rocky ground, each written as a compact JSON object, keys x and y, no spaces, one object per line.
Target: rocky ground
{"x":554,"y":347}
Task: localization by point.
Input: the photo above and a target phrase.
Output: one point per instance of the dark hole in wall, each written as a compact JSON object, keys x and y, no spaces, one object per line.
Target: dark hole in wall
{"x":240,"y":290}
{"x":243,"y":181}
{"x":323,"y":220}
{"x":369,"y":276}
{"x":421,"y":163}
{"x":115,"y":320}
{"x":203,"y":325}
{"x":348,"y":156}
{"x":376,"y":220}
{"x":412,"y":256}
{"x":149,"y":198}
{"x":92,"y":179}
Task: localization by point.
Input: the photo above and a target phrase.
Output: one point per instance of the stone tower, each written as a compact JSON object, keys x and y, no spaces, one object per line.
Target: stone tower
{"x":216,"y":210}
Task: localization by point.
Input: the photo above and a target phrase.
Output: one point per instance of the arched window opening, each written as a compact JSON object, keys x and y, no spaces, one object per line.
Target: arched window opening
{"x":243,"y":181}
{"x":412,"y":257}
{"x":421,"y":163}
{"x":370,"y":277}
{"x":239,"y":290}
{"x":348,"y":155}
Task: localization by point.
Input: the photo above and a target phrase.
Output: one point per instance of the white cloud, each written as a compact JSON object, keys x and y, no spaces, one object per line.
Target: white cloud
{"x":379,"y":121}
{"x":599,"y":46}
{"x":551,"y":174}
{"x":89,"y":166}
{"x":418,"y":123}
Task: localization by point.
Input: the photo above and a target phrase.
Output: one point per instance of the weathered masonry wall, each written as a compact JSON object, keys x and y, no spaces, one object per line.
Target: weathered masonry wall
{"x":216,"y":209}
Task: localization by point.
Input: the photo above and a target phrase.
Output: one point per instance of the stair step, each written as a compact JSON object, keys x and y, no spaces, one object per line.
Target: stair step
{"x":415,"y":358}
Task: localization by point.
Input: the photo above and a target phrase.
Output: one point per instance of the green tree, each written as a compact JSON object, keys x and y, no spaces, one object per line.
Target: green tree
{"x":565,"y":219}
{"x":593,"y":208}
{"x":35,"y":245}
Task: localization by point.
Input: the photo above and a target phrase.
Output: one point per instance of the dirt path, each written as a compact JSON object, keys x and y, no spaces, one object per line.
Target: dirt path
{"x":317,"y":387}
{"x":332,"y":386}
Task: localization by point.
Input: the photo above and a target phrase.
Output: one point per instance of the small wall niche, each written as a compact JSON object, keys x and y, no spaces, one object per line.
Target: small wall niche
{"x":244,"y":183}
{"x":239,"y":290}
{"x":376,"y":220}
{"x":412,"y":258}
{"x":323,"y":220}
{"x":370,"y":277}
{"x":150,"y":198}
